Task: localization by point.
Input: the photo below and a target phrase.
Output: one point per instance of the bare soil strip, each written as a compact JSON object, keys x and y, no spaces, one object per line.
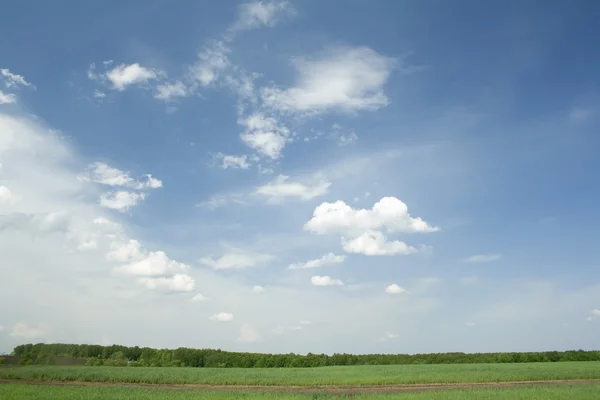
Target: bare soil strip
{"x":332,"y":389}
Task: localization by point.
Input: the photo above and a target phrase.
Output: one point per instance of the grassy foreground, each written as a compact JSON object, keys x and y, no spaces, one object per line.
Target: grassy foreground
{"x":33,"y":392}
{"x":354,"y":375}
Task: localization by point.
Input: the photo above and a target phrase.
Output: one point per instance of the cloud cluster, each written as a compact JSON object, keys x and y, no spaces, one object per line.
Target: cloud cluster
{"x":360,"y":229}
{"x":343,"y":78}
{"x":120,"y":200}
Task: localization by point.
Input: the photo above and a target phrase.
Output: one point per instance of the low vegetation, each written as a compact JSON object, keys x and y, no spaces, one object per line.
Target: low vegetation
{"x":184,"y":357}
{"x":31,"y":392}
{"x":355,"y":375}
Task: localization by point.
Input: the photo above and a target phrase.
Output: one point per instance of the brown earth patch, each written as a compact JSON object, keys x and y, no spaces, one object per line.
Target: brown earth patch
{"x":331,"y":389}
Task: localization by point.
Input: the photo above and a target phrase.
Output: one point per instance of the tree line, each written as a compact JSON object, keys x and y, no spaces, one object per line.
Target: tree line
{"x":116,"y":355}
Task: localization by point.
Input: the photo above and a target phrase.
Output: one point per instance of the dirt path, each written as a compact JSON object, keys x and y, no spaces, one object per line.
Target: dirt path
{"x":332,"y":389}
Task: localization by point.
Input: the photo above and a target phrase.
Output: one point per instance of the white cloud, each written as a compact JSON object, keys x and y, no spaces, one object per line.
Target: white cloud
{"x":358,"y":226}
{"x":258,"y":289}
{"x":305,"y":322}
{"x":7,"y":196}
{"x":470,"y":324}
{"x":256,"y":14}
{"x":283,"y":330}
{"x":1,"y":328}
{"x":594,"y":314}
{"x":375,"y":243}
{"x":280,"y":188}
{"x":212,"y":61}
{"x":222,"y":317}
{"x":395,"y":289}
{"x":175,"y":283}
{"x":199,"y":297}
{"x":231,"y":161}
{"x":327,"y":259}
{"x":236,"y":259}
{"x":7,"y":98}
{"x":126,"y":75}
{"x":268,"y":144}
{"x":154,"y":263}
{"x":483,"y":258}
{"x":220,"y":200}
{"x":387,"y":336}
{"x":344,"y":78}
{"x":344,"y":139}
{"x":389,"y":213}
{"x":99,"y":95}
{"x":24,"y":331}
{"x":104,"y":174}
{"x":169,"y":91}
{"x":318,"y":280}
{"x":14,"y":80}
{"x":264,"y":135}
{"x":248,"y":334}
{"x":121,"y":200}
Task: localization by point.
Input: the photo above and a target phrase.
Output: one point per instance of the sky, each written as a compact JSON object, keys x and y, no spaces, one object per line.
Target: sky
{"x":300,"y":176}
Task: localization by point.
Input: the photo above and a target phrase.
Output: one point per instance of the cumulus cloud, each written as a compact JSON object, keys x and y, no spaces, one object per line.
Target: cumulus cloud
{"x":222,"y":317}
{"x":264,"y":135}
{"x":232,"y":161}
{"x":395,"y":289}
{"x":389,"y":213}
{"x":104,"y":174}
{"x":154,"y":263}
{"x":258,"y":289}
{"x":344,"y":78}
{"x":327,"y":259}
{"x":236,"y":259}
{"x":121,"y":200}
{"x":124,"y":75}
{"x":199,"y":297}
{"x":281,"y":187}
{"x":318,"y":280}
{"x":170,"y":91}
{"x":248,"y":334}
{"x":375,"y":243}
{"x":154,"y":269}
{"x":212,"y":62}
{"x":483,"y":258}
{"x":360,"y":228}
{"x":175,"y":283}
{"x":7,"y":196}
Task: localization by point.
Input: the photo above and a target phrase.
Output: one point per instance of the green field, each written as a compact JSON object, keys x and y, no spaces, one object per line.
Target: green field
{"x":30,"y":392}
{"x":354,"y":375}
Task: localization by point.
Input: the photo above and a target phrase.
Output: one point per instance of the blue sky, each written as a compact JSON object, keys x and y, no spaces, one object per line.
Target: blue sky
{"x":300,"y":176}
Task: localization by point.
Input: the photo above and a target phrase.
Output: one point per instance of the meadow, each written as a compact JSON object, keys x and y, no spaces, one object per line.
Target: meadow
{"x":343,"y":375}
{"x":32,"y":392}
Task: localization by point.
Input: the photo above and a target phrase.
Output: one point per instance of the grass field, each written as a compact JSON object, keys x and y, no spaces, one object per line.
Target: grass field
{"x":31,"y":392}
{"x":355,"y":375}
